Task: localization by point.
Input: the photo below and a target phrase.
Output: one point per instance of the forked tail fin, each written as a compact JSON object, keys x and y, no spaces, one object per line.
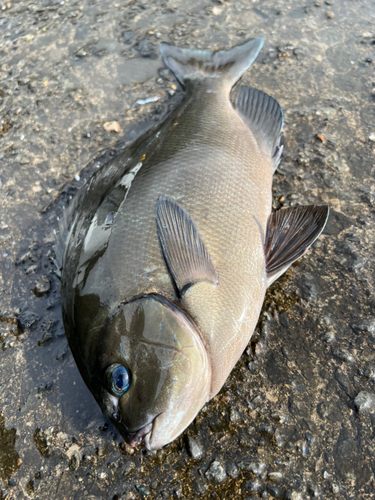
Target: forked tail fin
{"x":196,"y":65}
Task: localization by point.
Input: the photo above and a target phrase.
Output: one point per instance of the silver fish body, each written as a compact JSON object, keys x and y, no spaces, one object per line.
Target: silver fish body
{"x":171,"y":247}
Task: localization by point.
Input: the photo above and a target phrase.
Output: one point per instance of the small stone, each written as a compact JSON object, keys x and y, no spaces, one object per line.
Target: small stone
{"x":81,"y":53}
{"x":146,"y":49}
{"x":257,"y":468}
{"x":216,"y":472}
{"x":143,"y":490}
{"x":42,"y":286}
{"x":177,"y":493}
{"x":320,"y":137}
{"x":330,"y":14}
{"x":112,"y":127}
{"x":102,"y":475}
{"x":275,"y":491}
{"x":74,"y":461}
{"x":26,"y":320}
{"x":125,"y":449}
{"x":344,"y":355}
{"x":128,"y":468}
{"x":232,"y":469}
{"x":200,"y":486}
{"x":253,"y":485}
{"x":234,"y":416}
{"x":22,"y":159}
{"x":100,"y":451}
{"x":128,"y":37}
{"x":313,"y":491}
{"x":193,"y":448}
{"x":372,"y":137}
{"x":368,"y":325}
{"x":129,"y":495}
{"x":346,"y":248}
{"x":365,"y":402}
{"x":32,"y":269}
{"x":330,"y":336}
{"x":335,"y":488}
{"x":275,"y":476}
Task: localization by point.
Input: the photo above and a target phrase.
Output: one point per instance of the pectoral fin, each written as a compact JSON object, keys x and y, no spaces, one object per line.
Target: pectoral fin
{"x":184,"y":252}
{"x":290,"y":233}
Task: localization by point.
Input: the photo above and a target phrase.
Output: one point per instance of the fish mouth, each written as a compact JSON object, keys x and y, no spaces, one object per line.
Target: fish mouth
{"x":144,"y":433}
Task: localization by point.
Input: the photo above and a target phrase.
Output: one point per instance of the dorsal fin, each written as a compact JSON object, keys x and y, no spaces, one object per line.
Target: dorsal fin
{"x":264,"y":117}
{"x":184,"y":251}
{"x":290,"y":233}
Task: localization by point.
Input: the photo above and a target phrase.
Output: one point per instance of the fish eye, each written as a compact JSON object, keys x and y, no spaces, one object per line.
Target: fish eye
{"x":117,"y":379}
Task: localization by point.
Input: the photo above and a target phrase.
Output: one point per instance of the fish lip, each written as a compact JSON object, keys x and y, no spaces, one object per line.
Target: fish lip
{"x":135,"y":438}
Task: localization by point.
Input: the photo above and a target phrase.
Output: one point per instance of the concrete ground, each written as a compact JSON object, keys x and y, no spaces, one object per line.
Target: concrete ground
{"x":295,"y":419}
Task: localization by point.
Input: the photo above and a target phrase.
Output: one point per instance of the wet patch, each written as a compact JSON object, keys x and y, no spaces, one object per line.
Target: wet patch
{"x":9,"y":460}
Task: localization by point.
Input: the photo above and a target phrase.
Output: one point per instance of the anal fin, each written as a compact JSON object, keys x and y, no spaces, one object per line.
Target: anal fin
{"x":290,"y":233}
{"x":184,"y":251}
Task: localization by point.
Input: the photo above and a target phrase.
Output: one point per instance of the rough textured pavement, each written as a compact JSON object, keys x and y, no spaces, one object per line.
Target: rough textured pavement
{"x":295,"y":419}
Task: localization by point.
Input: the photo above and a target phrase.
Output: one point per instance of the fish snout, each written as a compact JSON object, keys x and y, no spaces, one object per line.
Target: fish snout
{"x":136,"y":437}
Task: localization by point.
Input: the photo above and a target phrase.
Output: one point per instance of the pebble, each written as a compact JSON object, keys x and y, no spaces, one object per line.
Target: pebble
{"x":216,"y":472}
{"x":177,"y":493}
{"x":313,"y":491}
{"x":193,"y":448}
{"x":276,"y":492}
{"x":112,"y":127}
{"x":26,"y":320}
{"x":143,"y":490}
{"x":365,"y":326}
{"x":128,"y":37}
{"x":330,"y":14}
{"x":74,"y":461}
{"x":234,"y":416}
{"x":309,"y":289}
{"x":42,"y":286}
{"x":275,"y":476}
{"x":100,"y":451}
{"x":129,"y":495}
{"x":200,"y":486}
{"x":231,"y":469}
{"x":81,"y":53}
{"x":253,"y":485}
{"x":146,"y":49}
{"x":255,"y":467}
{"x":344,"y":354}
{"x":346,"y":248}
{"x":125,"y":449}
{"x":128,"y":468}
{"x":365,"y":402}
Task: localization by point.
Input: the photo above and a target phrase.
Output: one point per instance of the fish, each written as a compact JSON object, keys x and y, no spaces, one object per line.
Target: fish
{"x":166,"y":253}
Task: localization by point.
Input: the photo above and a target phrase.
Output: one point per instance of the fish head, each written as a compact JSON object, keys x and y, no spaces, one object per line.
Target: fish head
{"x":149,"y":370}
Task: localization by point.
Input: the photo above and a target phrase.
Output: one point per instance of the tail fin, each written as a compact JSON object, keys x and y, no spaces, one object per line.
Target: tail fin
{"x":195,"y":65}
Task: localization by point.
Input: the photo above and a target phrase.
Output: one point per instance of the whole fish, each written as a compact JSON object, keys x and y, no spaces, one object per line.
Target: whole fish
{"x":167,"y":252}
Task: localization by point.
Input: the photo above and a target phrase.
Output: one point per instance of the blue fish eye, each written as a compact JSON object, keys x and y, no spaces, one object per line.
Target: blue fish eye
{"x":118,"y":379}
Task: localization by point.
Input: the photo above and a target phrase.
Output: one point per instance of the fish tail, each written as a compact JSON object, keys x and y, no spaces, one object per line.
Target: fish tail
{"x":192,"y":65}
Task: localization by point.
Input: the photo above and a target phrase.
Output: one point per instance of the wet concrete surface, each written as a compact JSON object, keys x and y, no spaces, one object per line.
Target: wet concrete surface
{"x":295,"y":419}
